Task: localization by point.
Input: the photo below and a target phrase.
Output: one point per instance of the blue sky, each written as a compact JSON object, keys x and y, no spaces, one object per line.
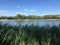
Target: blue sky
{"x":29,"y":7}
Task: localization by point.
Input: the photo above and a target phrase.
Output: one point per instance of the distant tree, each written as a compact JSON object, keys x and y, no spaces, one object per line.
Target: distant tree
{"x":19,"y":16}
{"x":10,"y":17}
{"x":3,"y":17}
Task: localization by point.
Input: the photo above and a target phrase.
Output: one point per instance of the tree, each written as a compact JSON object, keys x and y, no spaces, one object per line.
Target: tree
{"x":19,"y":16}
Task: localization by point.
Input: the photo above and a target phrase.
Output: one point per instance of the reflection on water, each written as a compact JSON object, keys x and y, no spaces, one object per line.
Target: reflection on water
{"x":29,"y":22}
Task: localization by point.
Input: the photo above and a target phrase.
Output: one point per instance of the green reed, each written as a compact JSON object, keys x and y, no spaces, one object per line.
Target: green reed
{"x":29,"y":35}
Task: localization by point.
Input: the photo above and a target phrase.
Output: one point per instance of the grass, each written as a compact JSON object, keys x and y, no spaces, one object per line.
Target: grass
{"x":29,"y":35}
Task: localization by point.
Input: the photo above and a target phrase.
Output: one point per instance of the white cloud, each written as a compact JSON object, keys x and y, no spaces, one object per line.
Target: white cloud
{"x":19,"y":13}
{"x":23,"y":13}
{"x":32,"y":10}
{"x":26,"y":12}
{"x":25,"y":9}
{"x":3,"y":11}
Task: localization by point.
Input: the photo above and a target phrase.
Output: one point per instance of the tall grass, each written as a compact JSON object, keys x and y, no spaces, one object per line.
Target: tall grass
{"x":29,"y":35}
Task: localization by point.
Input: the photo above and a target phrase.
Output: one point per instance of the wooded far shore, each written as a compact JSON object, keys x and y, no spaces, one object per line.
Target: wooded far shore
{"x":19,"y":16}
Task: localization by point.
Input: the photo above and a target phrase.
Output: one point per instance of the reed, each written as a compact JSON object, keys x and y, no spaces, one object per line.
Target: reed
{"x":29,"y":35}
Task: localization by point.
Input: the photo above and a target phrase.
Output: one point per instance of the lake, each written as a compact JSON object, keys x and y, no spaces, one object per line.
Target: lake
{"x":29,"y":22}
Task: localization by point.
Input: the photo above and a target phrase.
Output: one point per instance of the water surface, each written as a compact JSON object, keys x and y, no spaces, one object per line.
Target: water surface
{"x":29,"y":22}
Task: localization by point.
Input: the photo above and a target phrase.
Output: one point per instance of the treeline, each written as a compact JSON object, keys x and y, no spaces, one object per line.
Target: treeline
{"x":29,"y":35}
{"x":19,"y":16}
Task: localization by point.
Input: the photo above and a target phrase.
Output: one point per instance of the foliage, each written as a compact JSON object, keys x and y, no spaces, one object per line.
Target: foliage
{"x":19,"y":16}
{"x":29,"y":35}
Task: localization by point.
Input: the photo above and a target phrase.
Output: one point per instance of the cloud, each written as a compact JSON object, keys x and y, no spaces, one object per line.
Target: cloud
{"x":23,"y":13}
{"x":32,"y":10}
{"x":19,"y":13}
{"x":25,"y":9}
{"x":3,"y":11}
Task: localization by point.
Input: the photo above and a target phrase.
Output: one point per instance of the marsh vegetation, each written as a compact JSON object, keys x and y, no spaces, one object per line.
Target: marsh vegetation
{"x":29,"y":35}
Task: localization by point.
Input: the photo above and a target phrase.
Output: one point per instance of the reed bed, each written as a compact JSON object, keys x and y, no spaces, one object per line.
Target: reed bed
{"x":29,"y":35}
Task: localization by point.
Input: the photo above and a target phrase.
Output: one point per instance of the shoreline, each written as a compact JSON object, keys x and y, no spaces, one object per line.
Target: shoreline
{"x":25,"y":19}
